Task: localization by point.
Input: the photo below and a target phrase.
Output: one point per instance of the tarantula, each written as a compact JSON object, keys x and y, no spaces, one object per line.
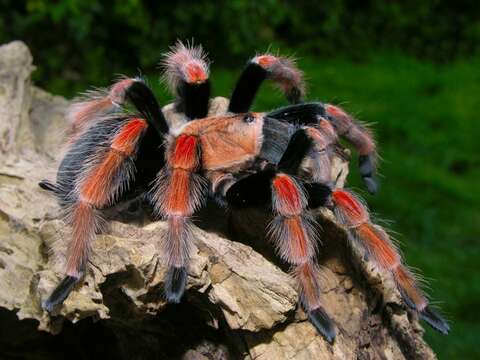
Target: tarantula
{"x":243,"y":159}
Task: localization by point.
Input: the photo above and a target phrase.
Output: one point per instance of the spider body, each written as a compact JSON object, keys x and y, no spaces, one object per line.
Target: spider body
{"x":278,"y":160}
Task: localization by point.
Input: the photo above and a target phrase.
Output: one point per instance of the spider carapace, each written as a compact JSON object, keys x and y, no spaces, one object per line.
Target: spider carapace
{"x":280,"y":160}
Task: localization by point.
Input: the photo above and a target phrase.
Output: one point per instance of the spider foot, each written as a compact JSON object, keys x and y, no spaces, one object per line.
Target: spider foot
{"x":60,"y":293}
{"x":175,"y":283}
{"x":322,"y":322}
{"x":49,"y":186}
{"x":435,"y":320}
{"x":367,"y":169}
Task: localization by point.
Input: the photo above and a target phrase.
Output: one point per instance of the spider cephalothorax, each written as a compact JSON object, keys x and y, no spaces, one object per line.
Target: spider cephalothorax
{"x":279,"y":159}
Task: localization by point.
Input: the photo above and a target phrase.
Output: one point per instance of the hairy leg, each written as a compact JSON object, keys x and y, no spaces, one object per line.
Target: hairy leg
{"x":178,"y":192}
{"x":361,"y":139}
{"x":282,"y":71}
{"x":186,"y":71}
{"x":103,"y":177}
{"x":95,"y":105}
{"x":344,"y":126}
{"x":292,"y":229}
{"x":353,"y":214}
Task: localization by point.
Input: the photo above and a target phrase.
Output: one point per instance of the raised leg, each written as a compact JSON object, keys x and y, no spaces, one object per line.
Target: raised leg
{"x":186,"y":73}
{"x":361,"y":139}
{"x":353,"y":214}
{"x":95,"y":105}
{"x":178,"y":192}
{"x":344,"y":126}
{"x":282,"y":71}
{"x":92,"y":127}
{"x":103,"y":177}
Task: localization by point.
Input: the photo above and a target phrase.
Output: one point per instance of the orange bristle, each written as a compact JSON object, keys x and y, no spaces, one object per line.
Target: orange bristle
{"x":335,"y":111}
{"x":196,"y":73}
{"x":406,"y":282}
{"x":177,"y":198}
{"x":297,"y":238}
{"x":84,"y":226}
{"x":265,"y":60}
{"x":96,"y":188}
{"x":288,"y":198}
{"x":307,"y":277}
{"x":127,"y":138}
{"x":185,"y":153}
{"x":117,"y":91}
{"x":352,"y":210}
{"x":378,"y":245}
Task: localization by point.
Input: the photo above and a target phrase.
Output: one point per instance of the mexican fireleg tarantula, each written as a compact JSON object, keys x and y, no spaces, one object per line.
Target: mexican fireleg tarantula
{"x":241,"y":158}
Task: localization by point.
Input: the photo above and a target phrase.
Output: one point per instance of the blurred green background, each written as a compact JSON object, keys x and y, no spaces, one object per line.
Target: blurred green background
{"x":411,"y":68}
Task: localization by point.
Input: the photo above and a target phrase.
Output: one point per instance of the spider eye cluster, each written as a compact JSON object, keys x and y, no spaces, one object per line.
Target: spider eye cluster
{"x":248,"y":118}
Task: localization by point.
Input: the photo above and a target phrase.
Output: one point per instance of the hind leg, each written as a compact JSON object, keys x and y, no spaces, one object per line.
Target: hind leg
{"x":353,"y":214}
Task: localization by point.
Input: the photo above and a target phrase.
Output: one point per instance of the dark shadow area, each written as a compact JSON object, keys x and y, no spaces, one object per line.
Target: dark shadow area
{"x":169,"y":335}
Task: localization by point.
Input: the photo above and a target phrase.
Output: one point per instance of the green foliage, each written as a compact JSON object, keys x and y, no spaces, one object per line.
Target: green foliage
{"x":84,"y":41}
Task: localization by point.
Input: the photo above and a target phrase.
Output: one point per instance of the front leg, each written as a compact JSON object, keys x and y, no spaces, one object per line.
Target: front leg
{"x":282,"y":71}
{"x":179,"y":191}
{"x":186,"y":72}
{"x":344,"y":125}
{"x":293,"y":229}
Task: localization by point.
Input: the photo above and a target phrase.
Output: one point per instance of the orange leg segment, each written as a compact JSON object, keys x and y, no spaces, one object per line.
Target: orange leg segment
{"x":293,"y":234}
{"x":98,"y":187}
{"x":353,"y":214}
{"x":178,"y":193}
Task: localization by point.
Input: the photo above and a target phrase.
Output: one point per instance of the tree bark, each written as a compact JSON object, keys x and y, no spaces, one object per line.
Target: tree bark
{"x":240,"y":303}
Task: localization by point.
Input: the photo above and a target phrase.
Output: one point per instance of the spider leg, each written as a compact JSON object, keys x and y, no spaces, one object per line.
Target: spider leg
{"x":361,"y":139}
{"x":282,"y":71}
{"x":302,"y":114}
{"x":293,"y":233}
{"x":104,"y":176}
{"x":95,"y":104}
{"x":136,"y":92}
{"x":344,"y":125}
{"x":292,"y":229}
{"x":178,"y":192}
{"x":353,"y":214}
{"x":186,"y":73}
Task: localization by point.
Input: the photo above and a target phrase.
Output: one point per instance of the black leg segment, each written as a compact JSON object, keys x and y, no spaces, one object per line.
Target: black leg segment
{"x":251,"y":191}
{"x":302,"y":114}
{"x":323,"y":324}
{"x":193,"y":99}
{"x":318,"y":195}
{"x":299,"y":145}
{"x":435,"y":320}
{"x":246,"y":88}
{"x":367,"y":170}
{"x":175,"y":283}
{"x":60,"y":293}
{"x":142,"y":97}
{"x":49,"y":186}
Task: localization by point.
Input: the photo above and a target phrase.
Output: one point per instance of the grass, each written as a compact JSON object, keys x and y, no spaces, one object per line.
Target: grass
{"x":425,"y":120}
